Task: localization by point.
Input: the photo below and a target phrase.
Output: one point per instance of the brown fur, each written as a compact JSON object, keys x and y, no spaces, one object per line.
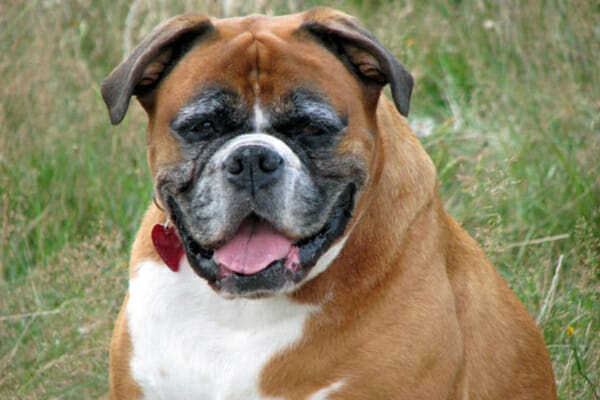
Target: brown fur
{"x":427,"y":316}
{"x":411,"y":308}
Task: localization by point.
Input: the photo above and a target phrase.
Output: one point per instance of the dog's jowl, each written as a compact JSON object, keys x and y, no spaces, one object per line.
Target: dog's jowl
{"x":296,"y":247}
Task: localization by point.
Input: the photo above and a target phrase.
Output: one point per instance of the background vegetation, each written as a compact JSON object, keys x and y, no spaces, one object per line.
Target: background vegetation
{"x":507,"y":102}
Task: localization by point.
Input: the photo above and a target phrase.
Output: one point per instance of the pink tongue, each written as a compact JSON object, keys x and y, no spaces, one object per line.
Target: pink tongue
{"x":256,"y":244}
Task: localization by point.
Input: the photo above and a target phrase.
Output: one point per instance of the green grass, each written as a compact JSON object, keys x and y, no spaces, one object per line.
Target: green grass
{"x":510,"y":89}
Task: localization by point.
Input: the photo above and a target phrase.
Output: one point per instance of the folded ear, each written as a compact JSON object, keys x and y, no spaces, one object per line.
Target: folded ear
{"x":361,"y":52}
{"x":149,"y":62}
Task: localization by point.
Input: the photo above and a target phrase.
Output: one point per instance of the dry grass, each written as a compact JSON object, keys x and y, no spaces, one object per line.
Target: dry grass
{"x":509,"y":90}
{"x":55,"y":324}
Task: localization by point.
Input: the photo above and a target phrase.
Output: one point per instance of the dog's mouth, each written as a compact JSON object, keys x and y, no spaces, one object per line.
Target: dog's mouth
{"x":255,"y":245}
{"x":258,"y":260}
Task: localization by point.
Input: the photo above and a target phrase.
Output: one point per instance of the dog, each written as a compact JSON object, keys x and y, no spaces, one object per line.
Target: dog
{"x":297,"y":247}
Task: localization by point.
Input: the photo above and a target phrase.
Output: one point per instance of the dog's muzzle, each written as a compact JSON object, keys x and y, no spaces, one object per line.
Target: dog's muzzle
{"x":256,"y":221}
{"x":281,"y":274}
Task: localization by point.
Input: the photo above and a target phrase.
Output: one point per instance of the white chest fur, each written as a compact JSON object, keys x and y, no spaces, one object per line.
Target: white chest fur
{"x":189,"y":343}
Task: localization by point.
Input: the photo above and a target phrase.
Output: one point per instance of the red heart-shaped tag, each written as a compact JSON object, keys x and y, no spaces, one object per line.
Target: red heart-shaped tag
{"x":167,"y":245}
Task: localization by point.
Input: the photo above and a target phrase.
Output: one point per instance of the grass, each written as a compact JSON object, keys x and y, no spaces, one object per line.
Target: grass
{"x":509,"y":92}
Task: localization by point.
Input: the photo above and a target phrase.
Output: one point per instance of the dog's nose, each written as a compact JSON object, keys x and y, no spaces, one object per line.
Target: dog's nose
{"x":253,"y":167}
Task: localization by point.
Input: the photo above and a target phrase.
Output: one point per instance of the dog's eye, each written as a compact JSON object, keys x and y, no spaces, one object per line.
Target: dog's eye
{"x":204,"y":127}
{"x":203,"y":130}
{"x":312,"y":129}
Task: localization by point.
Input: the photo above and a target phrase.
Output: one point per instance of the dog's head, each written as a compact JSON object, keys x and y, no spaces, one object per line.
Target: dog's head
{"x":262,"y":137}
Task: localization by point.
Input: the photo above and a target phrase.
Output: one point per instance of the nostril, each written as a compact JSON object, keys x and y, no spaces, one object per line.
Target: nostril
{"x":234,"y":165}
{"x":270,"y":162}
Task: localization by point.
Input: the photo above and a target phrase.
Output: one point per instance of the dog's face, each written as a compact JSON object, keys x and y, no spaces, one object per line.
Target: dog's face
{"x":262,"y":138}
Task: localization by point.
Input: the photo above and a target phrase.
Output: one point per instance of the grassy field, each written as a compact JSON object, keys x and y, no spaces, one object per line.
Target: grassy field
{"x":507,"y":101}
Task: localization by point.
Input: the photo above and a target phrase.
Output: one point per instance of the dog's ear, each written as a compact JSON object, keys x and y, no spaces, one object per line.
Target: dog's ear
{"x":358,"y":49}
{"x":150,"y":61}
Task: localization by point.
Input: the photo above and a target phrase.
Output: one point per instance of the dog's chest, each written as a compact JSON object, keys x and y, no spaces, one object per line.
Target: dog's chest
{"x":190,"y":343}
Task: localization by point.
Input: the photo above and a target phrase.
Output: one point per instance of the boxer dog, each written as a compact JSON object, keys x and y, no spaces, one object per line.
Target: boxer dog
{"x":297,"y":247}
